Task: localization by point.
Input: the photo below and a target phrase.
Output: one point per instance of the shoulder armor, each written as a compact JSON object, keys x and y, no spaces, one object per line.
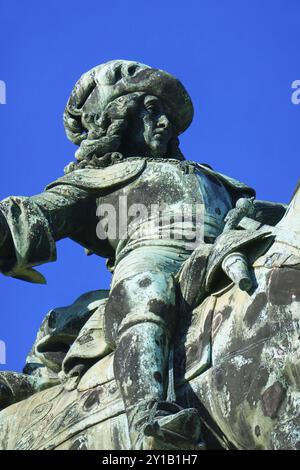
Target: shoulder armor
{"x":102,"y":178}
{"x":227,"y":181}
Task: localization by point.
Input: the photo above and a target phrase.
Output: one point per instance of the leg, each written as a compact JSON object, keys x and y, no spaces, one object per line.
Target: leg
{"x":139,"y":319}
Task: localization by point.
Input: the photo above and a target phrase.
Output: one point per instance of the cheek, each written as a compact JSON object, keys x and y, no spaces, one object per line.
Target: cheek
{"x":147,"y":128}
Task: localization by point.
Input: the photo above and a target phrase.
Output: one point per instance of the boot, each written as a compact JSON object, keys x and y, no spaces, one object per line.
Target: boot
{"x":140,"y":367}
{"x":174,"y":428}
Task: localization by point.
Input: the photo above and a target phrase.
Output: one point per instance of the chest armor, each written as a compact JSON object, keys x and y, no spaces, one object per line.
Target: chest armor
{"x":154,"y":181}
{"x":174,"y":185}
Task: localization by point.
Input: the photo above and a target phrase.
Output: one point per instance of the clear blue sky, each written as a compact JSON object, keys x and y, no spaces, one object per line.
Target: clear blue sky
{"x":236,"y":58}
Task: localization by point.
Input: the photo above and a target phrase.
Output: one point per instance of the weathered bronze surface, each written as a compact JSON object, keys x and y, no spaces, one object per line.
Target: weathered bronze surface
{"x":196,"y":344}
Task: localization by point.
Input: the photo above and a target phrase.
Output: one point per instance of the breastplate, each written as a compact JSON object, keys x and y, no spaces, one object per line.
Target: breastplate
{"x":178,"y":185}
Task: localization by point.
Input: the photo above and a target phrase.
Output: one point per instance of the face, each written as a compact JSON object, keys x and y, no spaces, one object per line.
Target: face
{"x":151,"y":130}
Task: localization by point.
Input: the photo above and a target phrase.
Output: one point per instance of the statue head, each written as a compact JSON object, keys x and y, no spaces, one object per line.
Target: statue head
{"x":129,"y":108}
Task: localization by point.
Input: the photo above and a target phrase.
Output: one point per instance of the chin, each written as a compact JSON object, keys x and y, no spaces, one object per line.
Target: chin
{"x":158,"y":150}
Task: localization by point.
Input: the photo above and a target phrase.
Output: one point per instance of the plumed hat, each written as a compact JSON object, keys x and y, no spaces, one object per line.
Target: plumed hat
{"x":106,"y":82}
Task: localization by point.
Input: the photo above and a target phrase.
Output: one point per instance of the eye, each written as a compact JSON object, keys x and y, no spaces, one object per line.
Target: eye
{"x":152,"y":108}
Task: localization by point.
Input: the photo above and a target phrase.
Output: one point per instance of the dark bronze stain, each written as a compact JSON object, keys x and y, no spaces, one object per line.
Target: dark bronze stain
{"x":145,"y":282}
{"x":148,"y":193}
{"x":245,"y":432}
{"x":157,"y":306}
{"x":226,"y":312}
{"x":192,"y":274}
{"x":272,"y":399}
{"x":6,"y":396}
{"x":257,"y":431}
{"x":284,"y":286}
{"x":158,"y":377}
{"x":219,"y":380}
{"x":84,"y":339}
{"x":255,"y":308}
{"x":260,"y":380}
{"x":126,"y":366}
{"x":195,"y":350}
{"x":240,"y":381}
{"x":79,"y":444}
{"x":56,"y":358}
{"x":117,"y":307}
{"x":92,"y":400}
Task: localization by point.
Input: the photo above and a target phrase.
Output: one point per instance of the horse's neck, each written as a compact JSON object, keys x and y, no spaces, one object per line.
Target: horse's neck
{"x":291,"y":219}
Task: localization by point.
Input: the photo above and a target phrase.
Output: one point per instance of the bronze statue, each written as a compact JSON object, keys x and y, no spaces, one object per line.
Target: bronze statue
{"x":190,"y":237}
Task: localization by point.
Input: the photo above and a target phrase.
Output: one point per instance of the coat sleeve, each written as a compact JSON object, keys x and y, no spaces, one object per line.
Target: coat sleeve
{"x":30,"y":226}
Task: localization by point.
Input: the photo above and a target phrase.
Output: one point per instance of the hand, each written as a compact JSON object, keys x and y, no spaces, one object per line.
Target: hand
{"x":235,"y":265}
{"x":244,"y":208}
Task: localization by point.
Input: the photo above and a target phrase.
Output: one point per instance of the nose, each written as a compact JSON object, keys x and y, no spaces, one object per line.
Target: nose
{"x":163,"y":122}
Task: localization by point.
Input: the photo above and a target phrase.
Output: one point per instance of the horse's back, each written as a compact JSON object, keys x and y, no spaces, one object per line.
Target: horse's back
{"x":60,"y":419}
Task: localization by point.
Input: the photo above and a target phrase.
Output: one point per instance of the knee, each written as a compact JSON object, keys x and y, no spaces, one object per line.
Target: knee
{"x":144,"y":297}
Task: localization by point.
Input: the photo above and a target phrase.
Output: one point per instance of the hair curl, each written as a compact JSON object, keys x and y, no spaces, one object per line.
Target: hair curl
{"x":100,"y":136}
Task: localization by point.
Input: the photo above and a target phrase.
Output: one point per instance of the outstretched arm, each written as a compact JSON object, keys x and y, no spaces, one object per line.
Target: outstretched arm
{"x":30,"y":226}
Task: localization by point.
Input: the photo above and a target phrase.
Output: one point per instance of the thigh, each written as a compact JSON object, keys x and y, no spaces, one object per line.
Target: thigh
{"x":143,"y":289}
{"x":149,"y":259}
{"x":146,"y":296}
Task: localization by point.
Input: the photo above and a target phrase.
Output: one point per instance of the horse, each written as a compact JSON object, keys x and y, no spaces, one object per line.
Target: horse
{"x":236,"y":359}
